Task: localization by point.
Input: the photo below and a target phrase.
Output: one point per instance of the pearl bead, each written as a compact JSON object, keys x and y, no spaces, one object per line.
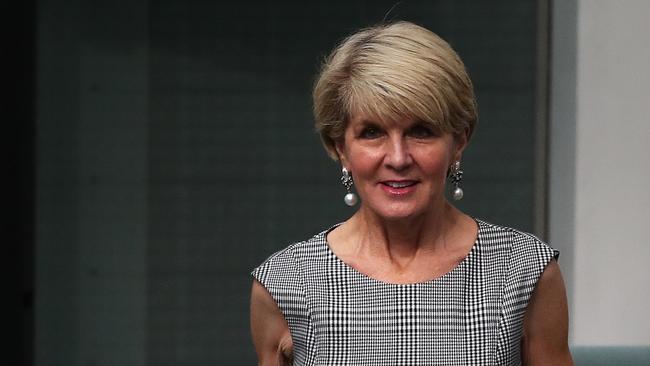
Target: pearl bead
{"x":457,"y":194}
{"x":350,"y":199}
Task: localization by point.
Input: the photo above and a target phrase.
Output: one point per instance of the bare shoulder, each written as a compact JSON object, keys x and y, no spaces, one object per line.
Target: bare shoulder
{"x":546,"y":322}
{"x":269,"y":329}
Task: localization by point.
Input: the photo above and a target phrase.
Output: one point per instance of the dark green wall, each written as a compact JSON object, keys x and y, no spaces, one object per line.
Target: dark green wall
{"x":176,"y":151}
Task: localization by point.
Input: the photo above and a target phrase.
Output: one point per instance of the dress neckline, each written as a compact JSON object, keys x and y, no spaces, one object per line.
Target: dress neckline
{"x":323,"y":238}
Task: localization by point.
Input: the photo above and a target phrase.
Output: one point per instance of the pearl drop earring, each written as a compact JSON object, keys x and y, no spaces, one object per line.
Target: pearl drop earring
{"x":456,"y":176}
{"x":350,"y":198}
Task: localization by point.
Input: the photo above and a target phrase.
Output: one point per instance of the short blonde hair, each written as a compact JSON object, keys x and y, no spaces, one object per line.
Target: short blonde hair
{"x":393,"y":71}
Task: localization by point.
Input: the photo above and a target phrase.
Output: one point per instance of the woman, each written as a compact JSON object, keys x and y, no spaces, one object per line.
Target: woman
{"x":408,"y":279}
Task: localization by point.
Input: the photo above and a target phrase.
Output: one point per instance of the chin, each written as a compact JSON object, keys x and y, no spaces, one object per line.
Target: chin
{"x":398,"y":212}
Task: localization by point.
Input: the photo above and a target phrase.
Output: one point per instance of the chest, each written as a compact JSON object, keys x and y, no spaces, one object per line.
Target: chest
{"x":357,"y":320}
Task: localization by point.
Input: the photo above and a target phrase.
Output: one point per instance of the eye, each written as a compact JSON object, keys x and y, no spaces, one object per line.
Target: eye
{"x":370,"y":132}
{"x":422,"y":131}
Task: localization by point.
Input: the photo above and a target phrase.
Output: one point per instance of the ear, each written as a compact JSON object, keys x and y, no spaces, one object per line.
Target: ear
{"x":340,"y":151}
{"x":461,"y":141}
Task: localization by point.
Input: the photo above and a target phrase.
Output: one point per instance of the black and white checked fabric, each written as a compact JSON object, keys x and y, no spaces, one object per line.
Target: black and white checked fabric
{"x":472,"y":315}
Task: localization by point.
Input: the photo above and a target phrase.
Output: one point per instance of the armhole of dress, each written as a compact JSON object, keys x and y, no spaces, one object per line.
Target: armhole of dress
{"x":258,"y":274}
{"x":556,"y":254}
{"x":273,"y":274}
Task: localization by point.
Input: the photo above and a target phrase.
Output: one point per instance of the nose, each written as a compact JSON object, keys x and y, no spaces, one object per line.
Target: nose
{"x":398,"y":156}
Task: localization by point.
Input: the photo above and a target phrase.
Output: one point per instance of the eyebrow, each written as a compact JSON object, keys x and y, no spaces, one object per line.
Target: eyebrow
{"x":370,"y":123}
{"x":415,"y":122}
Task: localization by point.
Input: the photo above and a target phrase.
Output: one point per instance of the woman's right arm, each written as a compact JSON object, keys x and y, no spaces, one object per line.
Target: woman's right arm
{"x":269,"y":329}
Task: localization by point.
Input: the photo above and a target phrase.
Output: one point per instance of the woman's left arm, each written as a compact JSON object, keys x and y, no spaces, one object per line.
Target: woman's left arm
{"x":546,"y":323}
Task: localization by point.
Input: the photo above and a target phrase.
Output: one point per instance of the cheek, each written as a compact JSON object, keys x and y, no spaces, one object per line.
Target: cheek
{"x":437,"y":169}
{"x":363,"y":170}
{"x":436,"y":164}
{"x":362,"y":161}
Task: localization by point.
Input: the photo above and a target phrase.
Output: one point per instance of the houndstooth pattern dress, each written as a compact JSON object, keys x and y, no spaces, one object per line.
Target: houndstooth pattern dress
{"x":472,"y":315}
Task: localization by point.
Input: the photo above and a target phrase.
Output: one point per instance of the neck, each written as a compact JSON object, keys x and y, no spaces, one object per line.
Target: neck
{"x":401,"y":240}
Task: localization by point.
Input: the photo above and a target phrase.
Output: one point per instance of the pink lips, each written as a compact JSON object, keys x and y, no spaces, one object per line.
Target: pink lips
{"x":398,"y":187}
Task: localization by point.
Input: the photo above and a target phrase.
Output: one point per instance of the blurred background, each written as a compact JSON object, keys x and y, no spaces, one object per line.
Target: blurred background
{"x":166,"y":148}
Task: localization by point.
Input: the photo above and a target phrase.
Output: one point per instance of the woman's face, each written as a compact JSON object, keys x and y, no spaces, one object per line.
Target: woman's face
{"x":399,"y":169}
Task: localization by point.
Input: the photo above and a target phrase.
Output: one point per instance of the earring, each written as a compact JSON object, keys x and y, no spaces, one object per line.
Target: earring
{"x":455,"y":176}
{"x":350,"y":198}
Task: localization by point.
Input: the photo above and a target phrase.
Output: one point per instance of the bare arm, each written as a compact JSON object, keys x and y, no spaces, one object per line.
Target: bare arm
{"x":269,"y":329}
{"x":546,"y":323}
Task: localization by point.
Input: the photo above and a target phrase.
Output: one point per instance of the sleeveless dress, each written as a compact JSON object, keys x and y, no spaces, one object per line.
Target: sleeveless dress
{"x":472,"y":315}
